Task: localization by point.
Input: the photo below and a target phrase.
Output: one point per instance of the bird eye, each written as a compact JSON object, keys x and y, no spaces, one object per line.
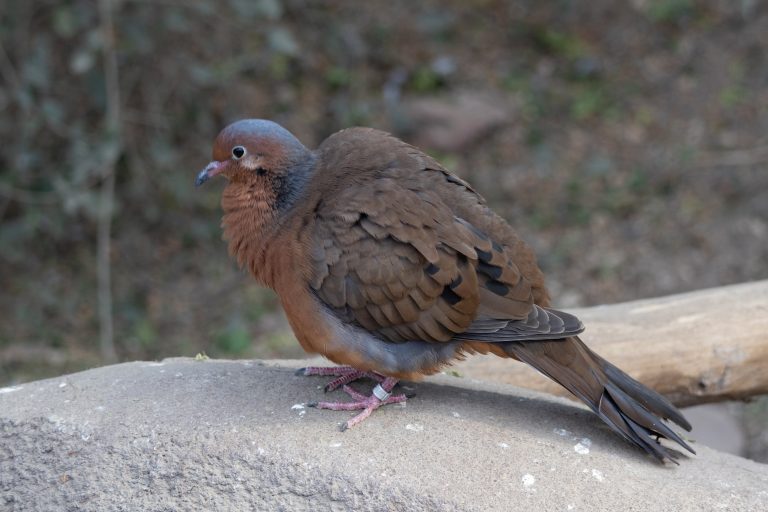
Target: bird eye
{"x":238,"y":152}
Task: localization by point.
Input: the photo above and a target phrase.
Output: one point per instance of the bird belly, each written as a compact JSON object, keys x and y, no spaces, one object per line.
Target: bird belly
{"x":352,"y":345}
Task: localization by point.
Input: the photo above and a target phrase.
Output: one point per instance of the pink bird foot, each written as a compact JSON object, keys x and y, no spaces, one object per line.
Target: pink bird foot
{"x":381,"y":395}
{"x":345,"y":374}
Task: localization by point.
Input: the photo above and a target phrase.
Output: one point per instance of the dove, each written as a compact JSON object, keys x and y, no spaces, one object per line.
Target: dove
{"x":393,"y":267}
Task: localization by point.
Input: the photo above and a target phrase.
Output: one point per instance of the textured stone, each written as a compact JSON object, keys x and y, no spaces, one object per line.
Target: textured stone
{"x":234,"y":435}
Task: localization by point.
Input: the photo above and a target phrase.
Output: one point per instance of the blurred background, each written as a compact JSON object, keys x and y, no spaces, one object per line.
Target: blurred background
{"x":627,"y":142}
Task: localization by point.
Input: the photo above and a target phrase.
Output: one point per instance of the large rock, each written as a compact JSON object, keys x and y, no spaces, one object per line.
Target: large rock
{"x":234,"y":435}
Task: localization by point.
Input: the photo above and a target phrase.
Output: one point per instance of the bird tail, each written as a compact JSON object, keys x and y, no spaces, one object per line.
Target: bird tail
{"x":628,"y":407}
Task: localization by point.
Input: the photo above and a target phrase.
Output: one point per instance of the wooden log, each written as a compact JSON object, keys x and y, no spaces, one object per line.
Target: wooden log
{"x":699,"y":347}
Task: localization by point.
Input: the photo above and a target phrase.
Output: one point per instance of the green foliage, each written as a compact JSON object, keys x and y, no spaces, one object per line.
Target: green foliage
{"x":425,"y":80}
{"x":277,"y":344}
{"x":145,"y":332}
{"x":234,"y":340}
{"x":589,"y":101}
{"x":670,"y":11}
{"x":555,"y":42}
{"x":732,"y":96}
{"x":338,"y":77}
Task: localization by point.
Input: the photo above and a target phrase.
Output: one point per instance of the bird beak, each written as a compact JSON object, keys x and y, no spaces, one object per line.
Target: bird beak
{"x":211,"y":170}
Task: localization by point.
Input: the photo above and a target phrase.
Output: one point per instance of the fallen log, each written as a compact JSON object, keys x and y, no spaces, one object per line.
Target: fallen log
{"x":698,"y":347}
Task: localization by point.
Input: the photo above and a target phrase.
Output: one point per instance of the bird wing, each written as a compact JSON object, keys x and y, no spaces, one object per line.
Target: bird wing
{"x":391,"y":256}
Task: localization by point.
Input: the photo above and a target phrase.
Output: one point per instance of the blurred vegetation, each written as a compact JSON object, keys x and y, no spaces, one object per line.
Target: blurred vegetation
{"x":631,"y":151}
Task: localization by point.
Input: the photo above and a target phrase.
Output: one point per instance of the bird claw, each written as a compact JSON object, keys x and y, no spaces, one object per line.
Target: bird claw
{"x":381,"y":394}
{"x":368,"y":404}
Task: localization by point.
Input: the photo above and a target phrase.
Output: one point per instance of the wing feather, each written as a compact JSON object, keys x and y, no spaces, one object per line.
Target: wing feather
{"x":390,"y":254}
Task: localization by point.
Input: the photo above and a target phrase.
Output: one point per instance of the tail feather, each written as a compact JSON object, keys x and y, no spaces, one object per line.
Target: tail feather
{"x":632,"y":410}
{"x":610,"y":412}
{"x":642,"y":394}
{"x":642,"y":416}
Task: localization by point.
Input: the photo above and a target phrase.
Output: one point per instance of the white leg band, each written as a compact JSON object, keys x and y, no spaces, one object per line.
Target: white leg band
{"x":379,"y":393}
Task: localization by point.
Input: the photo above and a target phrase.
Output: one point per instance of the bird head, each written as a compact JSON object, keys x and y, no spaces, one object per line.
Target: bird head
{"x":267,"y":170}
{"x":255,"y":150}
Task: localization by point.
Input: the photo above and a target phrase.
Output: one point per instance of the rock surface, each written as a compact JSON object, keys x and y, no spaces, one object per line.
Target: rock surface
{"x":234,"y":435}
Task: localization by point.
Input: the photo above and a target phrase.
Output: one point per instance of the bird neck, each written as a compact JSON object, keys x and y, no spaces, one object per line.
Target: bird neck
{"x":290,"y":186}
{"x":248,"y":227}
{"x":253,"y":217}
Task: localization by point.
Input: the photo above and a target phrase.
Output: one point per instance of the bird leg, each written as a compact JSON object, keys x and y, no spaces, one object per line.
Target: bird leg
{"x":345,"y":374}
{"x":381,"y":395}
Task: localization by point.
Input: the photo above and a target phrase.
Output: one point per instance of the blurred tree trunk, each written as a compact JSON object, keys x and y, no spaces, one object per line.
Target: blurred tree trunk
{"x":107,"y":194}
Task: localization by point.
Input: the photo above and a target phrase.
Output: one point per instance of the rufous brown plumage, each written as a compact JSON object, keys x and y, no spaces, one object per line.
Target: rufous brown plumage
{"x":387,"y":263}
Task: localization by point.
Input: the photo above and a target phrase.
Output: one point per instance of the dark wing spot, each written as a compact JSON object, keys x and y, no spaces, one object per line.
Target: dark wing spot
{"x":497,"y":288}
{"x":483,"y":255}
{"x":450,"y":296}
{"x":432,"y":269}
{"x":491,"y":271}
